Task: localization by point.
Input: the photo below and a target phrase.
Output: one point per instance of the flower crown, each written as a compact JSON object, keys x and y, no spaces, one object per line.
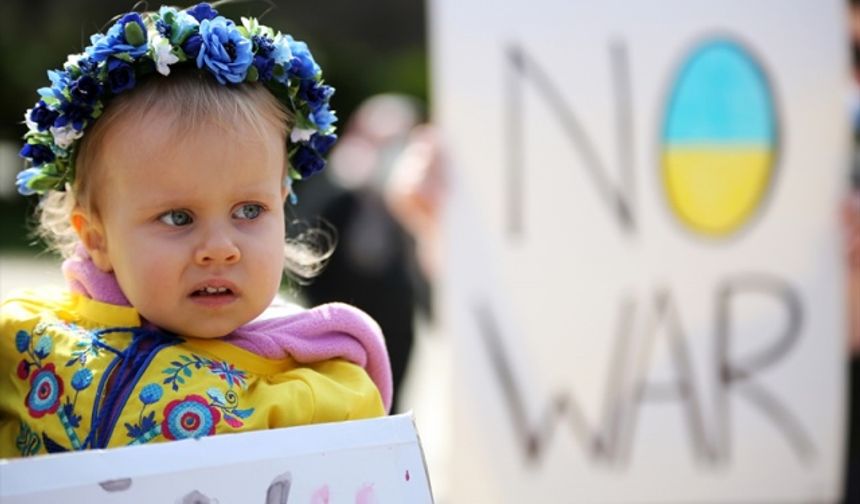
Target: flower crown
{"x":141,"y":44}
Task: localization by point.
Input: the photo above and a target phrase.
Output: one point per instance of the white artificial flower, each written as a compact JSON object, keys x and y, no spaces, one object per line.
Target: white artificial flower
{"x":251,"y":25}
{"x":65,"y":136}
{"x":32,"y":126}
{"x":163,"y":55}
{"x":301,"y":135}
{"x":72,"y":60}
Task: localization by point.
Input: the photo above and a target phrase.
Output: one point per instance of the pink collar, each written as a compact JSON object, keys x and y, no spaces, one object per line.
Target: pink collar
{"x":328,"y":331}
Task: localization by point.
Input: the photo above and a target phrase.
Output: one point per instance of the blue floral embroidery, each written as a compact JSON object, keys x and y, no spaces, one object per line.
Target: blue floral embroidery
{"x":151,"y":393}
{"x":144,"y":430}
{"x":43,"y":346}
{"x":82,"y":379}
{"x":224,"y":403}
{"x":68,"y":411}
{"x":38,"y":352}
{"x":192,"y":417}
{"x":88,"y":344}
{"x":47,"y":387}
{"x":228,"y":403}
{"x":22,"y":341}
{"x":177,"y":369}
{"x":146,"y":427}
{"x":228,"y":373}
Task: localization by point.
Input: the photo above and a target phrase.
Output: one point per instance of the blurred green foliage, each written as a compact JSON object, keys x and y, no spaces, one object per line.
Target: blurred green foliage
{"x":364,"y":48}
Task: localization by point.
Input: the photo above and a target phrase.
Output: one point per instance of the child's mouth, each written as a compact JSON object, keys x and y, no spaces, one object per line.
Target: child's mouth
{"x":214,"y":297}
{"x":212,"y":291}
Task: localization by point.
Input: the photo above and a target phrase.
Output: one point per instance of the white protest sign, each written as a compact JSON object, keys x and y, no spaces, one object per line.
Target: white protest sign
{"x":357,"y":462}
{"x":644,"y":280}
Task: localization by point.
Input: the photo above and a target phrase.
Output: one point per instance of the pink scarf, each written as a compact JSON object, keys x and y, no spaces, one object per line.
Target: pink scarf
{"x":329,"y":331}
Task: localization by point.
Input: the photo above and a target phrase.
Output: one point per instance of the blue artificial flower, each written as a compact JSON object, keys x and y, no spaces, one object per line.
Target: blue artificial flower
{"x":151,"y":393}
{"x":323,"y":118}
{"x":224,"y":52}
{"x":265,"y":67}
{"x":59,"y":83}
{"x":76,"y":114}
{"x":302,"y":64}
{"x":282,"y":55}
{"x":22,"y":182}
{"x":86,"y":90}
{"x":38,"y":153}
{"x":264,"y":46}
{"x":191,"y":46}
{"x":315,"y":94}
{"x":88,"y":66}
{"x":202,"y":11}
{"x":130,"y":17}
{"x":307,"y":161}
{"x":109,"y":66}
{"x":82,"y":379}
{"x":263,"y":58}
{"x":22,"y":341}
{"x":59,"y":78}
{"x":175,"y":25}
{"x":120,"y":76}
{"x":322,"y":143}
{"x":164,"y":28}
{"x":128,"y":35}
{"x":281,"y":50}
{"x":43,"y":116}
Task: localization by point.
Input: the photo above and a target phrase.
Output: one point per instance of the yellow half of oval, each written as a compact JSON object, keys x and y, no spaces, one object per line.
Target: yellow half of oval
{"x":716,"y":190}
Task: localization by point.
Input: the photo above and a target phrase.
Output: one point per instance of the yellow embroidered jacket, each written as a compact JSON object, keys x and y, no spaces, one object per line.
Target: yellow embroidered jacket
{"x":78,"y":373}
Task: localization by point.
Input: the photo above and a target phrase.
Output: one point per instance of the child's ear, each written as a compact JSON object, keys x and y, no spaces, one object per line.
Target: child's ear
{"x":91,"y":233}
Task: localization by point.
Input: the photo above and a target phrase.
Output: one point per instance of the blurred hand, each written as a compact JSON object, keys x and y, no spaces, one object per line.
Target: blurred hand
{"x":414,"y":194}
{"x":851,"y":221}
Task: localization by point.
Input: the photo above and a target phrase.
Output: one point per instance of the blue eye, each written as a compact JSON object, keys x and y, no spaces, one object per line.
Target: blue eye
{"x":248,"y":211}
{"x":176,"y":218}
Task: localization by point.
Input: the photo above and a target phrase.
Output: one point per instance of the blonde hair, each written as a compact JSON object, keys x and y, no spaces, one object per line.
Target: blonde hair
{"x":193,"y":98}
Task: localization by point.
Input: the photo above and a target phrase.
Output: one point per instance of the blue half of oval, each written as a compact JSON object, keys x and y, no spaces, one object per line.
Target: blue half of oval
{"x":721,"y":97}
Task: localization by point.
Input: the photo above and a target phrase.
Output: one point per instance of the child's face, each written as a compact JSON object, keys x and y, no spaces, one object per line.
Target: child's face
{"x":193,"y":225}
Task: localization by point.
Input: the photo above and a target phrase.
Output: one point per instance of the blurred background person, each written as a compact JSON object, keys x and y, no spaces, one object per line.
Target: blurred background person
{"x":374,"y":265}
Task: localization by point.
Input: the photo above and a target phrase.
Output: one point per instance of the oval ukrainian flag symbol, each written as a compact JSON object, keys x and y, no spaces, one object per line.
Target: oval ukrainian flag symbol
{"x":719,"y":139}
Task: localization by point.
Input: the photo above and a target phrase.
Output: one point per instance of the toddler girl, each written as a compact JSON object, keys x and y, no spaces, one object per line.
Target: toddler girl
{"x":163,"y":155}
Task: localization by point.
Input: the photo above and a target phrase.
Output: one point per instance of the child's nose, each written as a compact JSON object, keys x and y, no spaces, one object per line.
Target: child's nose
{"x":218,"y":248}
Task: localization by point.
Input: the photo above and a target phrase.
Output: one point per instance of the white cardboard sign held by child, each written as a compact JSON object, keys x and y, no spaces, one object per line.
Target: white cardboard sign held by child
{"x":356,"y":462}
{"x":645,"y":281}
